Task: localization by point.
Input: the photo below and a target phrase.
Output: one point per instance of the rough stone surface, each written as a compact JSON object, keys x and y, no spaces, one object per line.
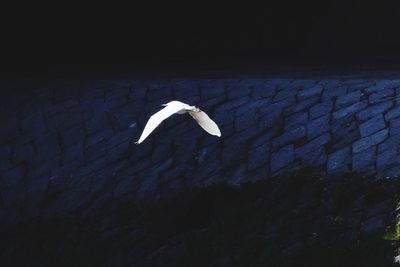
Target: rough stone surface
{"x":71,"y":135}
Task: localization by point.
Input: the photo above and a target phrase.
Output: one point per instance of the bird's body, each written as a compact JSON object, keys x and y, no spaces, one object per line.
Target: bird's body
{"x":179,"y":108}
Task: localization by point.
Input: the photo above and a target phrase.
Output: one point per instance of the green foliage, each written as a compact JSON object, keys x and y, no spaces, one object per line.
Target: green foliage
{"x":395,"y":234}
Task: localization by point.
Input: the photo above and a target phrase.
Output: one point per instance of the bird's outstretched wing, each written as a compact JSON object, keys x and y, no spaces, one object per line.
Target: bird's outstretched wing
{"x":159,"y":117}
{"x":205,"y":122}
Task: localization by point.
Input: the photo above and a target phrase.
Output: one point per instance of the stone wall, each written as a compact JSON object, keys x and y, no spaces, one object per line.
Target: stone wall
{"x":68,"y":147}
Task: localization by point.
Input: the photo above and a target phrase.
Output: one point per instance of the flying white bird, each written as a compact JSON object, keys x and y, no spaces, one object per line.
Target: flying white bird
{"x":180,"y":108}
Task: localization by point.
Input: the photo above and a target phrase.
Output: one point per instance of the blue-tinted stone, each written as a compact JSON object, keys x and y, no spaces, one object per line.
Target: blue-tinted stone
{"x":246,"y":120}
{"x":314,"y":158}
{"x":158,"y":91}
{"x":72,"y":135}
{"x":262,"y":90}
{"x":33,"y":126}
{"x":289,"y":137}
{"x":295,"y":120}
{"x":387,"y":158}
{"x":95,"y":151}
{"x":339,"y":160}
{"x":365,"y":160}
{"x":270,"y":120}
{"x":374,"y":110}
{"x":38,"y":185}
{"x":309,"y":92}
{"x":123,"y":117}
{"x":395,"y":126}
{"x":258,"y":157}
{"x":248,"y":107}
{"x":120,"y":137}
{"x":266,"y":110}
{"x":185,"y":92}
{"x":358,"y":85}
{"x":223,"y":118}
{"x":117,"y":152}
{"x":317,"y":127}
{"x":392,"y":141}
{"x":393,"y":113}
{"x":348,"y":110}
{"x":287,"y":102}
{"x":382,"y":85}
{"x":98,"y":122}
{"x":212,"y":92}
{"x":124,"y":186}
{"x":282,"y":158}
{"x":211,"y":102}
{"x":237,"y":91}
{"x":330,"y":93}
{"x":161,"y":152}
{"x":13,"y":177}
{"x":100,"y":136}
{"x":313,"y":144}
{"x":369,"y":141}
{"x":73,"y":152}
{"x":371,"y":126}
{"x":116,"y":100}
{"x":381,"y":95}
{"x":321,"y":109}
{"x":227,"y":106}
{"x":301,"y":106}
{"x":302,"y":84}
{"x":348,"y":99}
{"x":79,"y":113}
{"x":47,"y":146}
{"x":137,"y":94}
{"x":233,"y":152}
{"x":22,"y":152}
{"x":284,"y":94}
{"x":90,"y":168}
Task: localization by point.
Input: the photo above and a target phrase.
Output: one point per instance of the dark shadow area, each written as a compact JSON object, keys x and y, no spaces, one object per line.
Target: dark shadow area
{"x":298,"y":220}
{"x":164,"y":37}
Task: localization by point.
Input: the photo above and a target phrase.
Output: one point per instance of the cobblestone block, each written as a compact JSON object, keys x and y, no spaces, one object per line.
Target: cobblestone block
{"x":317,"y":127}
{"x":393,"y":113}
{"x":348,"y":110}
{"x":237,"y":91}
{"x":321,"y":109}
{"x":246,"y":120}
{"x":282,"y":158}
{"x":289,"y":137}
{"x":373,"y":110}
{"x":381,"y":96}
{"x":364,"y":161}
{"x":295,"y":120}
{"x":258,"y":157}
{"x":310,"y":92}
{"x":372,"y":125}
{"x":262,"y":90}
{"x":301,"y":106}
{"x":348,"y":99}
{"x":370,"y":141}
{"x":339,"y":161}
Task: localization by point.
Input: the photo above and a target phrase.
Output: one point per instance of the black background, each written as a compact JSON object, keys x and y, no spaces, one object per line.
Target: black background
{"x":121,"y":38}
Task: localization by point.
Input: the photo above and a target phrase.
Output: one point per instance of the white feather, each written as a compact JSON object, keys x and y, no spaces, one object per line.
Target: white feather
{"x":205,"y":122}
{"x":155,"y":120}
{"x":178,"y":107}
